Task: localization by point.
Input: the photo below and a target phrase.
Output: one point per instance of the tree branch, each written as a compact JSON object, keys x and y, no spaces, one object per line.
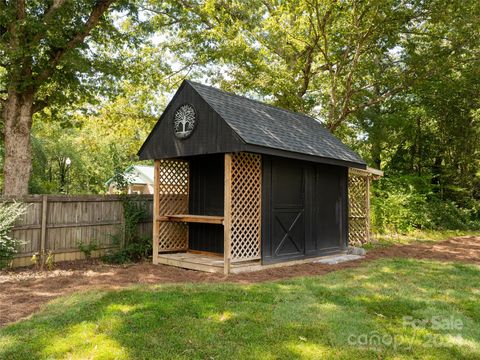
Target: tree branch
{"x":56,"y":4}
{"x":47,"y":18}
{"x":20,"y":9}
{"x":94,"y":18}
{"x":374,"y":101}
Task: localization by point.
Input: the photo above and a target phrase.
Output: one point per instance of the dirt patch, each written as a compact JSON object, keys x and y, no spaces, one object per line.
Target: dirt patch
{"x":23,"y":292}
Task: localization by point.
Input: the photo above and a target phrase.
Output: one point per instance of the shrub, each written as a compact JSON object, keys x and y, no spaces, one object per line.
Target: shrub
{"x":133,"y":246}
{"x":134,"y":251}
{"x":398,"y":205}
{"x":87,"y":249}
{"x":403,"y":203}
{"x":9,"y":213}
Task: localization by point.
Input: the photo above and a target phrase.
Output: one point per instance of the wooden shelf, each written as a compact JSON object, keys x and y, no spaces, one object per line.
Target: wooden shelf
{"x":204,"y":219}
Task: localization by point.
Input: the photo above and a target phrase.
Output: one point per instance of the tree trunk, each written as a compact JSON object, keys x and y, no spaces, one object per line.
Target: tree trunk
{"x":17,"y":117}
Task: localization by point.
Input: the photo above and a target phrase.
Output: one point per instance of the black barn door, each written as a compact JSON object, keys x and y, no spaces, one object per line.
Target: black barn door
{"x":304,"y":209}
{"x":285,"y":210}
{"x":330,"y":197}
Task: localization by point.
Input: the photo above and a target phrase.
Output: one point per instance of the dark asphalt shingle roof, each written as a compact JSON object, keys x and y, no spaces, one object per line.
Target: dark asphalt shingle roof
{"x":269,"y":126}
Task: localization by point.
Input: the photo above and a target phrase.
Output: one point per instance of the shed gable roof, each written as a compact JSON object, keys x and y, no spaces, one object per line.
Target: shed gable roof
{"x":272,"y":127}
{"x":232,"y":123}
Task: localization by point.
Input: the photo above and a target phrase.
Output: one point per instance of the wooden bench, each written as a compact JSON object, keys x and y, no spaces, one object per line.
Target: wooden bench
{"x":204,"y":219}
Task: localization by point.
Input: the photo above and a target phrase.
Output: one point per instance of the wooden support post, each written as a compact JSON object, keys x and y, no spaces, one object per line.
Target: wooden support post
{"x":156,"y":210}
{"x":43,"y":231}
{"x":367,"y":209}
{"x":227,"y":214}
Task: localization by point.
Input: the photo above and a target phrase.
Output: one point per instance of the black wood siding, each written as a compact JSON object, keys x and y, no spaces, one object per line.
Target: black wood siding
{"x":305,"y":209}
{"x":211,"y":135}
{"x":206,"y":198}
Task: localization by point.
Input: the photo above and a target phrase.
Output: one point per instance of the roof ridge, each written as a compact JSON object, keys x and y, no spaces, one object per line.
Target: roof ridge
{"x":257,"y":101}
{"x":252,"y":121}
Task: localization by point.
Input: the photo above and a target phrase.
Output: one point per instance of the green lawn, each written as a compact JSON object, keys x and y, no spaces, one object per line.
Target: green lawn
{"x":339,"y":315}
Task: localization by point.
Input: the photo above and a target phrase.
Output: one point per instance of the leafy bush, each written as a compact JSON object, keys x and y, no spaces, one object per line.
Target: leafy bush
{"x":9,"y":213}
{"x":133,"y":247}
{"x":87,"y":249}
{"x":404,"y":203}
{"x":134,"y":251}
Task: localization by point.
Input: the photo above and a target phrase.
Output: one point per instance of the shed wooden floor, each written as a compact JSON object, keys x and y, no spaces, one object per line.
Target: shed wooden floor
{"x":205,"y":262}
{"x":215,"y":264}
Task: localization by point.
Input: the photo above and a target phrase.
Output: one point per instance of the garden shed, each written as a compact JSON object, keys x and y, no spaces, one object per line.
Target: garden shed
{"x":240,"y":185}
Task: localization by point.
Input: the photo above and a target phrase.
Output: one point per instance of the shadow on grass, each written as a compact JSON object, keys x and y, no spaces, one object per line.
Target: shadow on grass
{"x":312,"y":317}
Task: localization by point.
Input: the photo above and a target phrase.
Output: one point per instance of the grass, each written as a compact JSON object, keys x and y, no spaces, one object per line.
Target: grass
{"x":426,"y":236}
{"x":340,"y":315}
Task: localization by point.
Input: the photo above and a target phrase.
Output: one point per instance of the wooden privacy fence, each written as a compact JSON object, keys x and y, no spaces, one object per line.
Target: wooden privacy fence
{"x":58,"y":223}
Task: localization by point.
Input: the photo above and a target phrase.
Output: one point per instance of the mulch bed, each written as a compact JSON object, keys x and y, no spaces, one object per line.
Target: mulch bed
{"x":24,"y":291}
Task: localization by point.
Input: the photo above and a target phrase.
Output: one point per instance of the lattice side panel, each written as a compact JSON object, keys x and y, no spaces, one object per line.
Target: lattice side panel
{"x":173,"y":190}
{"x":246,"y":206}
{"x":358,"y":221}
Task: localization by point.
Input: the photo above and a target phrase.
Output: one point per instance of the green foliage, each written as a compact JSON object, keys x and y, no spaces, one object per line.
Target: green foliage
{"x":99,"y":146}
{"x":135,"y":251}
{"x":132,"y":246}
{"x":301,"y":318}
{"x":49,"y":48}
{"x":401,"y":204}
{"x":9,"y":213}
{"x":87,"y":249}
{"x":326,"y":58}
{"x":50,"y":261}
{"x":61,"y":59}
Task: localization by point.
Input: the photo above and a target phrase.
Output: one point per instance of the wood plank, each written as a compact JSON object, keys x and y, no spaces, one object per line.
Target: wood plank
{"x":213,"y":264}
{"x":43,"y":234}
{"x":156,"y":210}
{"x":204,"y":219}
{"x":227,"y":222}
{"x":68,"y":225}
{"x":169,"y":259}
{"x":367,"y":209}
{"x":207,"y":253}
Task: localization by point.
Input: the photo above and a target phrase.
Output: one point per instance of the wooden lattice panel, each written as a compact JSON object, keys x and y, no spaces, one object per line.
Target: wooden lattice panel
{"x":246,"y":208}
{"x":173,"y":199}
{"x":358,"y":199}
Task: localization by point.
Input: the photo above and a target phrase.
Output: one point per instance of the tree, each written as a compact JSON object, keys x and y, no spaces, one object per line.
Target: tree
{"x":432,"y":129}
{"x":99,"y":144}
{"x":329,"y":58}
{"x":53,"y":52}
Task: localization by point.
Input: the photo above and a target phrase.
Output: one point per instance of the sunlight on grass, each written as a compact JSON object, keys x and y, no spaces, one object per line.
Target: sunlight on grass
{"x":459,"y":341}
{"x":6,"y":341}
{"x":340,"y":315}
{"x":84,"y":341}
{"x":121,"y":308}
{"x":226,"y":315}
{"x":305,"y":349}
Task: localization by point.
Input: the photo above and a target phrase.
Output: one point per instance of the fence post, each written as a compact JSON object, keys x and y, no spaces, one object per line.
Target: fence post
{"x":43,"y":233}
{"x":227,"y":213}
{"x":367,"y":200}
